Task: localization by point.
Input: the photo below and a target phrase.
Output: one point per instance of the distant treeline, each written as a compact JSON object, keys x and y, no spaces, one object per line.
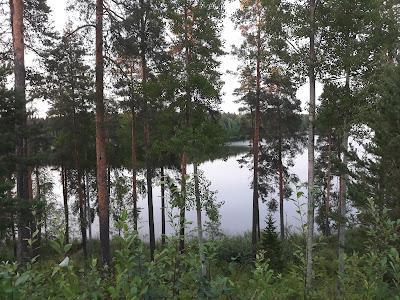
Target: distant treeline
{"x":238,"y":126}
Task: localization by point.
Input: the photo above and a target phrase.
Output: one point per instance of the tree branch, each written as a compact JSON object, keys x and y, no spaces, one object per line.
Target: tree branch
{"x":79,"y":28}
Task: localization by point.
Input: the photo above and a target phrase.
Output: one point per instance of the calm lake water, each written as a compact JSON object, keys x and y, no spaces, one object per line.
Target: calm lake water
{"x":232,"y":183}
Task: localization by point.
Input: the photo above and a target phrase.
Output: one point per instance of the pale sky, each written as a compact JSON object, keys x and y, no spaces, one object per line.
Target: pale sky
{"x":228,"y":62}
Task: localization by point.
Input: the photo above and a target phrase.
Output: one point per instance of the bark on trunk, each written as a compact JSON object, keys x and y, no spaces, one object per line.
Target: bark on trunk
{"x":311,"y":118}
{"x":100,"y":141}
{"x":199,"y":221}
{"x":162,"y":207}
{"x":17,"y":12}
{"x":134,"y":171}
{"x":64,"y":182}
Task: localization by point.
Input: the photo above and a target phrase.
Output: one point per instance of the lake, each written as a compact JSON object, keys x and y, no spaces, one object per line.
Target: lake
{"x":232,"y":183}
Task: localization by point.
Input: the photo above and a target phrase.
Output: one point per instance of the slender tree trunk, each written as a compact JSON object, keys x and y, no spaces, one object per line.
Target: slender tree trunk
{"x":162,"y":207}
{"x":342,"y":212}
{"x":342,"y":197}
{"x":187,"y":112}
{"x":109,"y":185}
{"x":88,"y":213}
{"x":281,"y":196}
{"x":100,"y":141}
{"x":79,"y":183}
{"x":14,"y":240}
{"x":64,"y":182}
{"x":40,"y":212}
{"x":182,"y":217}
{"x":311,"y":118}
{"x":30,"y":185}
{"x":134,"y":171}
{"x":17,"y":13}
{"x":199,"y":221}
{"x":82,"y":217}
{"x":328,"y":186}
{"x":256,"y":150}
{"x":149,"y":180}
{"x":146,"y":127}
{"x":33,"y":226}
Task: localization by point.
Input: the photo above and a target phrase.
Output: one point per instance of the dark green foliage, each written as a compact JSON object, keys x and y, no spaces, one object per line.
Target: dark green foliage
{"x":379,"y":177}
{"x":7,"y":151}
{"x":237,"y":127}
{"x":371,"y":274}
{"x":235,"y":249}
{"x":271,"y":245}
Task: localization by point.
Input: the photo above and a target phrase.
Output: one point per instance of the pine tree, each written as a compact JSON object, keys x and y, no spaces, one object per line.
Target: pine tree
{"x":264,"y":26}
{"x":101,"y":164}
{"x":271,"y":245}
{"x":70,"y":90}
{"x":17,"y":20}
{"x":282,"y":136}
{"x":251,"y":18}
{"x":195,"y":47}
{"x":139,"y":40}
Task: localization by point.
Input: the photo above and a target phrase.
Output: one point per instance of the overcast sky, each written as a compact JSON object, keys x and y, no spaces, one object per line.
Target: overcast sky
{"x":228,"y":62}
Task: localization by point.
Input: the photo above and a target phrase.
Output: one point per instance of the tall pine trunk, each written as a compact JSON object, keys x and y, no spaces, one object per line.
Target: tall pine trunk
{"x":64,"y":182}
{"x":162,"y":207}
{"x":101,"y":161}
{"x":17,"y":16}
{"x":256,"y":148}
{"x":311,"y":118}
{"x":134,"y":170}
{"x":199,"y":221}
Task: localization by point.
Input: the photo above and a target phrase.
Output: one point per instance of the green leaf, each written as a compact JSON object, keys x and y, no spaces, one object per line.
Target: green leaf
{"x":55,"y":270}
{"x":22,"y":279}
{"x":67,"y":247}
{"x":393,"y":252}
{"x":56,"y":246}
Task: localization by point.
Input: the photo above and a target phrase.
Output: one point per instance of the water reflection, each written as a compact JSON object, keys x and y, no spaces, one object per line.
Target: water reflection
{"x":232,"y":183}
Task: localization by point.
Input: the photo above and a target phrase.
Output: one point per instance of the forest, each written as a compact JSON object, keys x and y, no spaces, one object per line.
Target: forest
{"x":109,"y":126}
